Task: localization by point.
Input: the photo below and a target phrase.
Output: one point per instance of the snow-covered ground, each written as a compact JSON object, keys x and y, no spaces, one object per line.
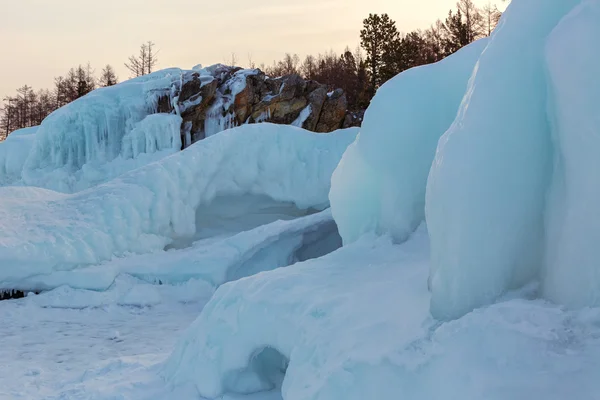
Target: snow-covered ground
{"x":371,"y":296}
{"x":219,"y":271}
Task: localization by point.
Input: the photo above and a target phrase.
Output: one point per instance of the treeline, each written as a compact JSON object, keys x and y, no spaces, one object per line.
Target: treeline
{"x":384,"y":52}
{"x":29,"y":107}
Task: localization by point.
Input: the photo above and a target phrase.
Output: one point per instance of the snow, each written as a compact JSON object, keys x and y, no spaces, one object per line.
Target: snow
{"x":487,"y":186}
{"x":355,"y":324}
{"x":380,"y":184}
{"x":209,"y":262}
{"x":13,"y":153}
{"x":571,"y":261}
{"x":88,"y":134}
{"x":101,"y":352}
{"x":495,"y":297}
{"x":24,"y":131}
{"x":268,"y":166}
{"x":304,"y":114}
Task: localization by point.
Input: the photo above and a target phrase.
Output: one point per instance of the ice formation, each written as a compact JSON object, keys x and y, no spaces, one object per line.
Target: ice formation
{"x":380,"y":183}
{"x":511,"y":195}
{"x":213,"y":261}
{"x":81,"y":144}
{"x":13,"y":153}
{"x":487,"y":186}
{"x":572,"y":262}
{"x":355,"y":325}
{"x":297,"y":326}
{"x":277,"y":169}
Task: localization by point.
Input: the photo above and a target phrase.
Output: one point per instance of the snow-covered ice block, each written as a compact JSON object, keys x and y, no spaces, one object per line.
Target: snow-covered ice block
{"x":380,"y":183}
{"x":213,"y":261}
{"x":327,"y":321}
{"x":572,"y":262}
{"x":13,"y":154}
{"x":162,"y":203}
{"x":355,"y":325}
{"x":487,"y":186}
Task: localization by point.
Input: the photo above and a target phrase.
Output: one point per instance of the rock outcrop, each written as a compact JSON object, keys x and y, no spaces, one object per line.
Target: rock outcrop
{"x":219,"y":97}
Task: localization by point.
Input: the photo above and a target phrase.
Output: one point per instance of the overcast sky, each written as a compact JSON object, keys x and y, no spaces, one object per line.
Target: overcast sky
{"x":41,"y":39}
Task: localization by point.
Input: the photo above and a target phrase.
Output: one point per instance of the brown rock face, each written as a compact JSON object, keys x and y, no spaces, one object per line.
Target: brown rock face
{"x":353,"y":119}
{"x":333,"y":112}
{"x":316,"y":99}
{"x":220,"y":97}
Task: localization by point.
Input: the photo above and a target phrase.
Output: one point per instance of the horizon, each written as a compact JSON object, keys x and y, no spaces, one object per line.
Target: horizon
{"x":48,"y":47}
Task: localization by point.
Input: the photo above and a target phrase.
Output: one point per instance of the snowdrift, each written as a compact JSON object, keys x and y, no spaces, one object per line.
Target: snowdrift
{"x":208,"y":262}
{"x":280,"y":170}
{"x":355,"y":325}
{"x":487,"y":186}
{"x":380,"y":183}
{"x":255,"y":329}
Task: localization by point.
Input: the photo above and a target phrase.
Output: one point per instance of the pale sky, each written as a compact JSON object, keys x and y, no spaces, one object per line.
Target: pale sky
{"x":41,"y":39}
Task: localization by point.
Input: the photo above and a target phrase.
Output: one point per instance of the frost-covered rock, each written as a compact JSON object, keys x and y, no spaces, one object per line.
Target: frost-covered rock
{"x":272,"y":169}
{"x":487,"y":186}
{"x":380,"y":184}
{"x":572,"y":262}
{"x":221,"y":97}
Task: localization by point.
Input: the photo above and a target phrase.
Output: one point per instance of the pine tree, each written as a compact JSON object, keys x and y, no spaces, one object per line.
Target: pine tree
{"x":379,"y":36}
{"x":85,"y":81}
{"x":455,"y":33}
{"x":108,"y":77}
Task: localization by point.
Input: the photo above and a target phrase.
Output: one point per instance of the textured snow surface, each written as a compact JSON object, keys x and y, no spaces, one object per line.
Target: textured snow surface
{"x":572,"y":259}
{"x":275,"y":170}
{"x":356,"y":325}
{"x":487,"y":187}
{"x":380,"y":184}
{"x":234,"y":236}
{"x":209,"y":262}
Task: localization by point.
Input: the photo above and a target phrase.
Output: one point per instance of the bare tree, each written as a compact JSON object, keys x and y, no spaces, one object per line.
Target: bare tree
{"x":491,"y":17}
{"x":251,"y":63}
{"x":473,"y":19}
{"x":144,"y":62}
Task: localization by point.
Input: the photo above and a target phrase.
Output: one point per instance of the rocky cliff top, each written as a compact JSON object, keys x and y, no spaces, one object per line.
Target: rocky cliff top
{"x":219,"y":97}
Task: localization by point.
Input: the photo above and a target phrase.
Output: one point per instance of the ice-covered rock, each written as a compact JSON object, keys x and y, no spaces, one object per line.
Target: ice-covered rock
{"x":88,"y":141}
{"x":487,"y":186}
{"x":572,"y":262}
{"x":81,"y":144}
{"x":380,"y":183}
